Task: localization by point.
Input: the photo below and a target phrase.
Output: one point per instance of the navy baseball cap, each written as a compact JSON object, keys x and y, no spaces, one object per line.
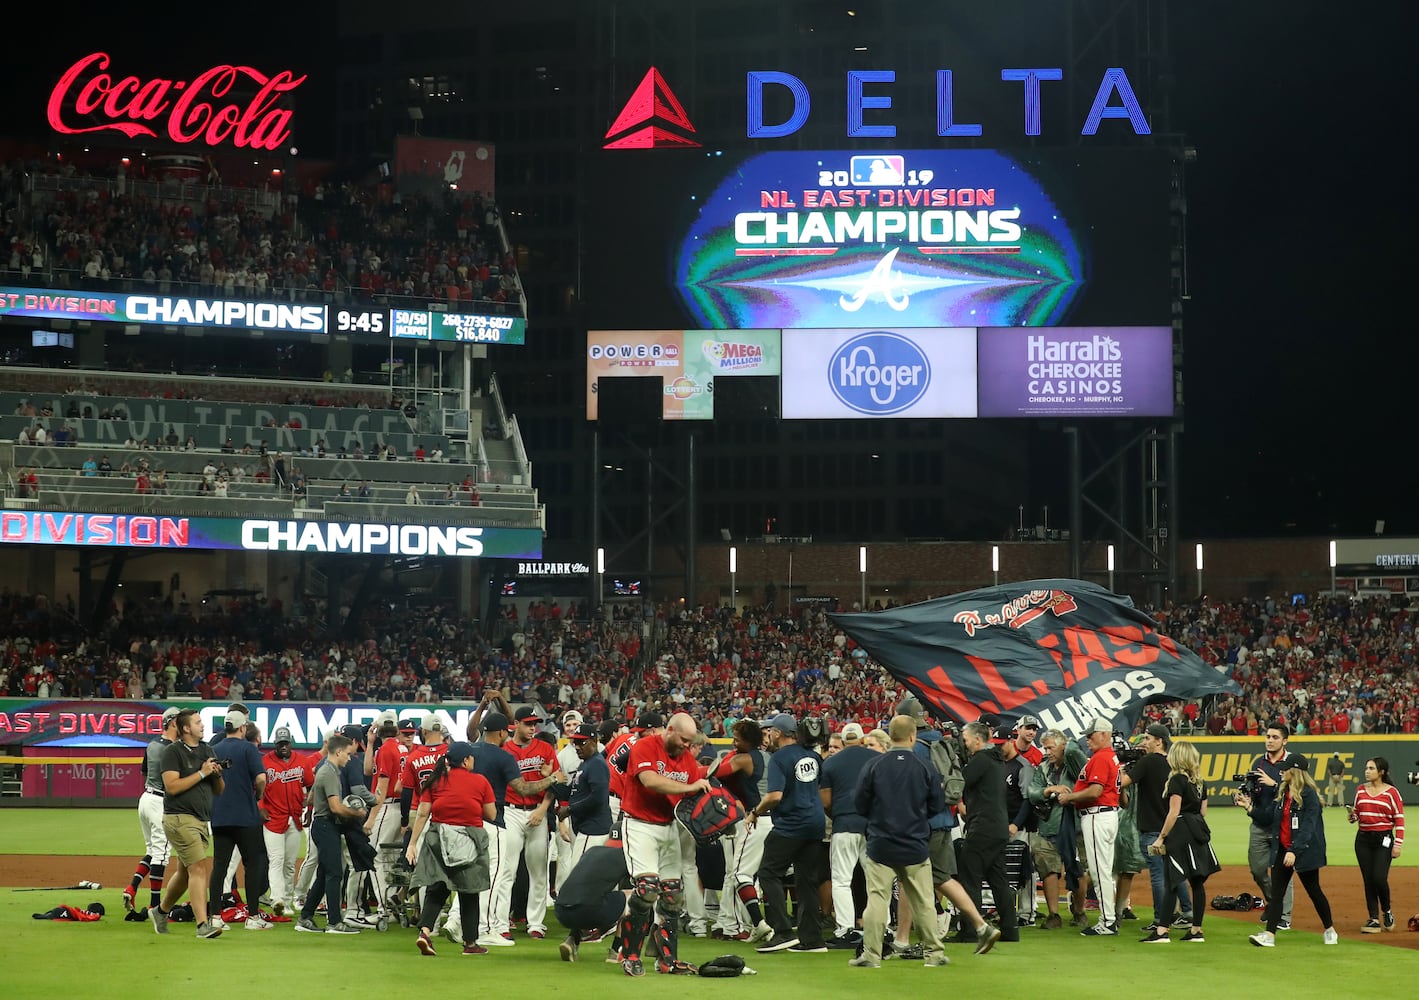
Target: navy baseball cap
{"x":585,"y":731}
{"x":494,"y":721}
{"x":784,"y":723}
{"x":527,"y":714}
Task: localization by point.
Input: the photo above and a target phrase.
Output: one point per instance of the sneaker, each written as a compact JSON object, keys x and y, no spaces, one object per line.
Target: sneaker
{"x":741,"y":936}
{"x":307,"y":926}
{"x":160,"y":920}
{"x":1128,"y":914}
{"x":1079,"y":918}
{"x":497,"y":941}
{"x":1100,"y":929}
{"x":805,"y":949}
{"x":474,"y":949}
{"x":1157,"y":937}
{"x":1284,"y":925}
{"x":425,"y":944}
{"x":454,"y":932}
{"x":128,"y":895}
{"x":1330,"y":936}
{"x":1372,"y":926}
{"x":761,"y":932}
{"x":1182,"y":921}
{"x":256,"y":922}
{"x":909,"y":952}
{"x":1263,"y":939}
{"x":343,"y":927}
{"x":846,"y":941}
{"x":632,"y":967}
{"x":207,"y":929}
{"x":569,"y":948}
{"x":1194,"y":937}
{"x":537,"y":935}
{"x":594,"y":935}
{"x":986,"y":936}
{"x":863,"y":962}
{"x":676,"y":968}
{"x":1053,"y":922}
{"x":936,"y":962}
{"x":1389,"y":920}
{"x":779,"y":942}
{"x":718,"y":934}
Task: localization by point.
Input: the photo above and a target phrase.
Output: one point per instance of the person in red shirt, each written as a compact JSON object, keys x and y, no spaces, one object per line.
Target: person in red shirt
{"x":288,"y":778}
{"x":525,"y":820}
{"x":455,"y":802}
{"x":383,"y":824}
{"x":1379,"y":811}
{"x":660,"y":771}
{"x":1095,"y":795}
{"x":419,"y":764}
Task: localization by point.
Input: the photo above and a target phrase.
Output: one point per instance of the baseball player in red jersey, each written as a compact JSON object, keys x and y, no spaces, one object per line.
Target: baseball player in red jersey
{"x":418,"y":765}
{"x":382,"y":826}
{"x":525,"y":821}
{"x":1095,"y":795}
{"x":660,"y":770}
{"x":288,"y":778}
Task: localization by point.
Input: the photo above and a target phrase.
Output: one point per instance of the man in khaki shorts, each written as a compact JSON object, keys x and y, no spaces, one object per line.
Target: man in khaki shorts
{"x":1062,"y":761}
{"x":191,"y":777}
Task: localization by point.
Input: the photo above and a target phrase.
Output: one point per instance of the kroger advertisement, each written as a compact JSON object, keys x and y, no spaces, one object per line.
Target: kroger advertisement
{"x":145,"y":531}
{"x":1076,"y":371}
{"x":879,"y":373}
{"x":687,"y":361}
{"x":897,"y":238}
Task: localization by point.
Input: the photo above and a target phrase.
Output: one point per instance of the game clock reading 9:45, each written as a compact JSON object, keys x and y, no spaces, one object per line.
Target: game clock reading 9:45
{"x":361,"y":321}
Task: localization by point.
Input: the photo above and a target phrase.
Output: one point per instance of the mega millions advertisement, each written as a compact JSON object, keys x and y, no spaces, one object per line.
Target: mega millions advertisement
{"x":687,"y":362}
{"x":896,"y":238}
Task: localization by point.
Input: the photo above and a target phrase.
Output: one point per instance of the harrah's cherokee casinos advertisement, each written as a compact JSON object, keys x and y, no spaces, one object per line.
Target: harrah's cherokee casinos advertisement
{"x":894,"y":238}
{"x":1075,"y":371}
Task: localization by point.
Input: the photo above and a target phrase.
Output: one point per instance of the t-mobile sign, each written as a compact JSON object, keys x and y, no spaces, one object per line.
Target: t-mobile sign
{"x":1078,"y":371}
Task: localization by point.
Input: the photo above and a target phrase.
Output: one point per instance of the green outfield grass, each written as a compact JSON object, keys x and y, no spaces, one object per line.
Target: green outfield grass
{"x":114,"y":832}
{"x":114,"y":959}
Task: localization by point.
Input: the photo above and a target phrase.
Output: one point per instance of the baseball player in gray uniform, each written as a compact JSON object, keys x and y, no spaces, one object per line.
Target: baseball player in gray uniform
{"x":153,"y":864}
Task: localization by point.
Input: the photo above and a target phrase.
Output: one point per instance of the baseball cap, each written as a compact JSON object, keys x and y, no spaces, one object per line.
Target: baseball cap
{"x":387,"y":718}
{"x":1027,"y":722}
{"x":1099,"y":725}
{"x":609,"y":728}
{"x":911,"y":706}
{"x":852,"y":733}
{"x":281,"y":735}
{"x":585,"y":731}
{"x":494,"y":721}
{"x":527,"y":714}
{"x":236,"y":719}
{"x":431,"y":724}
{"x":408,"y":725}
{"x":649,"y":720}
{"x":784,"y":723}
{"x":1161,"y":732}
{"x":458,"y":752}
{"x":169,"y":714}
{"x":354,"y":732}
{"x":571,"y":717}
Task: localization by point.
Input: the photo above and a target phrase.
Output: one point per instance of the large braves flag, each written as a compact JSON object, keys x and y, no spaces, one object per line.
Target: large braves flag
{"x":1066,"y":651}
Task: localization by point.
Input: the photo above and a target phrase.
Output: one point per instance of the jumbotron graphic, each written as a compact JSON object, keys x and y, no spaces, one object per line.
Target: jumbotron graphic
{"x":910,"y":238}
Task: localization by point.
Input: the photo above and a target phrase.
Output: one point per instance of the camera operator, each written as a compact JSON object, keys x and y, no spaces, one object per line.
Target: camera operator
{"x":796,"y":841}
{"x":982,"y":856}
{"x":1052,"y":846}
{"x":1265,"y":774}
{"x":1148,"y":776}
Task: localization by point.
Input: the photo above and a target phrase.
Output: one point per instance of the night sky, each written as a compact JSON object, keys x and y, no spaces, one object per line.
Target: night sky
{"x":1299,"y":357}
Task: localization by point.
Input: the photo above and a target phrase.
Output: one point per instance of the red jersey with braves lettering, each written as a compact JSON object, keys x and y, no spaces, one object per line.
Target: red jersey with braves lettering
{"x":1102,"y":769}
{"x":418,"y":765}
{"x":286,"y":784}
{"x":530,"y":761}
{"x":648,"y":754}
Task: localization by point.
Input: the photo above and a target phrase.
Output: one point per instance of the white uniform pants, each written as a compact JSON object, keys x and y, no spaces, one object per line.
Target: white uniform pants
{"x":150,"y":821}
{"x":282,"y":850}
{"x":531,"y":843}
{"x":1099,"y":830}
{"x":742,"y":855}
{"x":845,"y":852}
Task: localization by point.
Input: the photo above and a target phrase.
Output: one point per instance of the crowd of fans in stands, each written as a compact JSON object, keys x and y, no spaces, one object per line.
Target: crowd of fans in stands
{"x":1336,"y":667}
{"x":360,"y":240}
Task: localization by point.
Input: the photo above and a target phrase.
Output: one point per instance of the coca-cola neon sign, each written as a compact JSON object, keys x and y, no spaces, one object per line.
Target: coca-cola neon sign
{"x":191,"y":107}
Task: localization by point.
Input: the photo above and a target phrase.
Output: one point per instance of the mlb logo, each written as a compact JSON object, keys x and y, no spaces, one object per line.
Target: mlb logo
{"x":879,"y":169}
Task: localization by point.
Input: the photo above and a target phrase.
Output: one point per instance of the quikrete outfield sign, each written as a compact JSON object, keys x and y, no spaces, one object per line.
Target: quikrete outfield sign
{"x":266,"y":535}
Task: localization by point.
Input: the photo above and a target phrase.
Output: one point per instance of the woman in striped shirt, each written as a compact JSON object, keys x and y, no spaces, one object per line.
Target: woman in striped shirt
{"x":1379,"y":811}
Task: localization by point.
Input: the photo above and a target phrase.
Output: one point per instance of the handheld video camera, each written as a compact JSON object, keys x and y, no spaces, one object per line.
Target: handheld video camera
{"x":1250,"y":783}
{"x":1125,"y":751}
{"x":1413,"y":776}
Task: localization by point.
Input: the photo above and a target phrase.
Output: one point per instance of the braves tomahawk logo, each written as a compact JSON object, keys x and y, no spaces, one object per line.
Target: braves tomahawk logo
{"x":1019,"y":612}
{"x":879,"y":282}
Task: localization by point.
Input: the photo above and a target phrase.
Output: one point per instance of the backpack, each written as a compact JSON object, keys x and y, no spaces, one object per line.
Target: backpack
{"x":946,"y":758}
{"x":709,"y":815}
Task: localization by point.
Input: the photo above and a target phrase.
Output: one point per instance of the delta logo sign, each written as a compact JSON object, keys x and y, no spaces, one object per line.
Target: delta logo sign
{"x":654,"y":118}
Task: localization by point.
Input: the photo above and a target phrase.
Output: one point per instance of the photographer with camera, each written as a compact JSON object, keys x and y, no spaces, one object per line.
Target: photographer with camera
{"x":982,"y":856}
{"x":1052,"y":847}
{"x":191,"y":777}
{"x":1259,"y":786}
{"x":1379,"y":811}
{"x":1293,"y":819}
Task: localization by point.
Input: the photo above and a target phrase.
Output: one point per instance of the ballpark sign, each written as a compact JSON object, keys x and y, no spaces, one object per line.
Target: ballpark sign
{"x":1066,"y":651}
